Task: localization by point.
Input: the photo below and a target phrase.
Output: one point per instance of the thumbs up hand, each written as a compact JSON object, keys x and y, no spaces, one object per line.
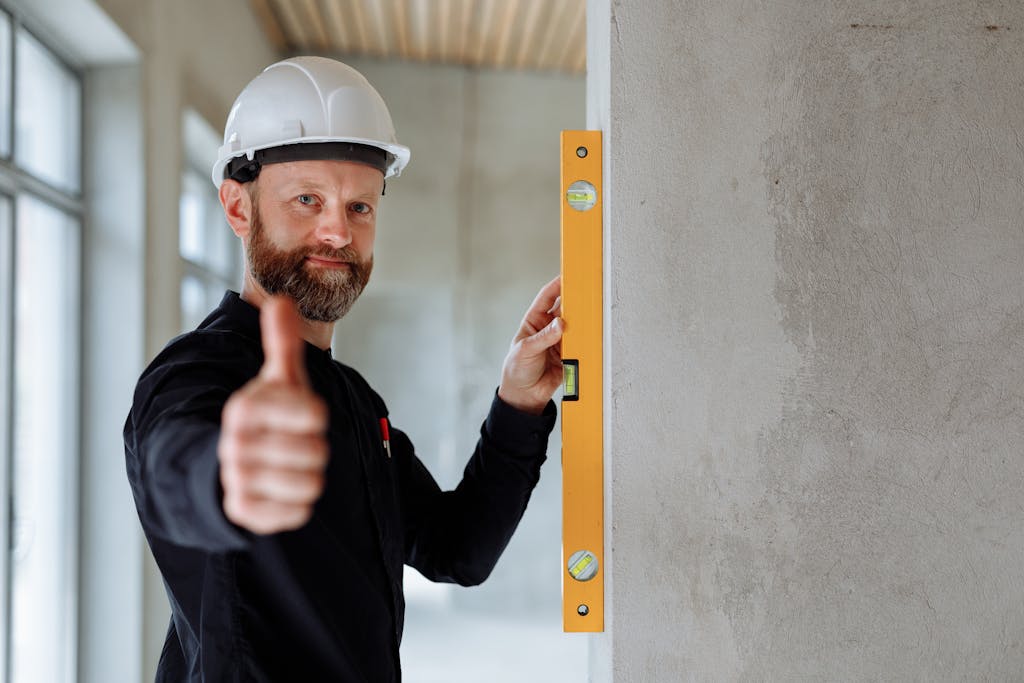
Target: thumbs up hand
{"x":272,"y":448}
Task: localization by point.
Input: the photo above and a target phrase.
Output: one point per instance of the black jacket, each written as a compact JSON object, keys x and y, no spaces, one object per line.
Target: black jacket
{"x":322,"y":603}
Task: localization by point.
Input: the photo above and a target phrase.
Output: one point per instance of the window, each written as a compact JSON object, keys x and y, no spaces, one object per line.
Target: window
{"x":40,"y":290}
{"x":48,"y":113}
{"x":210,"y":250}
{"x":44,"y":477}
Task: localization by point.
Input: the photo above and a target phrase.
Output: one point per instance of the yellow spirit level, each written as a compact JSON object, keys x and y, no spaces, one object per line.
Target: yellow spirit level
{"x":583,"y":558}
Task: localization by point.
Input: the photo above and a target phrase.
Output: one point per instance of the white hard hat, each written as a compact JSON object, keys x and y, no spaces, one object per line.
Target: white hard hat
{"x":306,"y":100}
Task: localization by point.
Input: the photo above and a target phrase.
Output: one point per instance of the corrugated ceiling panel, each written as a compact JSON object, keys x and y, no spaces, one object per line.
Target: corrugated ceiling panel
{"x":542,"y":35}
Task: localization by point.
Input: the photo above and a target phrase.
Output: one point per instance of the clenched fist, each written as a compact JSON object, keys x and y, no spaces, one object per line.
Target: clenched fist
{"x":273,"y":449}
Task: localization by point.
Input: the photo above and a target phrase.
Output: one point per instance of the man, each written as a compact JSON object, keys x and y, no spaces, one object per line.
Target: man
{"x":278,"y":500}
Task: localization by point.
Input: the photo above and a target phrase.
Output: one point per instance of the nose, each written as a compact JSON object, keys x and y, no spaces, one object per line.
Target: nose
{"x":333,"y":228}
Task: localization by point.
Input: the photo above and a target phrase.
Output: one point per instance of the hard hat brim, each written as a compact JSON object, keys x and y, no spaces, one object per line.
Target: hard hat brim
{"x":398,"y":155}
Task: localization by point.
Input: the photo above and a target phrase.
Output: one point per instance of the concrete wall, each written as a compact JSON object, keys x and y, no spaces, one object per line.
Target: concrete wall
{"x":815,"y":322}
{"x":467,"y":236}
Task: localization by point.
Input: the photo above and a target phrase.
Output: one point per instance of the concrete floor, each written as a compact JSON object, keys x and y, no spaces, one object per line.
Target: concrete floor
{"x":442,"y":645}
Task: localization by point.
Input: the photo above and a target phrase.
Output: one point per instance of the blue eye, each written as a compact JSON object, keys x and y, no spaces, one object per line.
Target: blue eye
{"x":360,"y":207}
{"x":306,"y":199}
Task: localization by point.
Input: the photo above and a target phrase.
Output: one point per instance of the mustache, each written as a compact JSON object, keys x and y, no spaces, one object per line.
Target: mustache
{"x":345,"y":254}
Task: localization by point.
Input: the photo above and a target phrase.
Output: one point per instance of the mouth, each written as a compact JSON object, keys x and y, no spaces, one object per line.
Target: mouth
{"x":325,"y":262}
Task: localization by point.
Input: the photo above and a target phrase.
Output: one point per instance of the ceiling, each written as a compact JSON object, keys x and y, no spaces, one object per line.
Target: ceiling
{"x":537,"y":35}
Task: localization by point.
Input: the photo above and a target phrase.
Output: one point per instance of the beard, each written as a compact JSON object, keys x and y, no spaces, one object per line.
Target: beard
{"x":321,"y":294}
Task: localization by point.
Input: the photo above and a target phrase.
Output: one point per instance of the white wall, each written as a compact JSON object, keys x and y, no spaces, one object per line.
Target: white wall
{"x":467,"y":236}
{"x":110,"y":590}
{"x":815,"y":263}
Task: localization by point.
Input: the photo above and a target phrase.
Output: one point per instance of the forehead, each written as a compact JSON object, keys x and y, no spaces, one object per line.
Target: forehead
{"x":348,"y":176}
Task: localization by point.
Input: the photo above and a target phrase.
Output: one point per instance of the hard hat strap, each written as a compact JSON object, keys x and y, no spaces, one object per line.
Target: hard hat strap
{"x":244,"y":170}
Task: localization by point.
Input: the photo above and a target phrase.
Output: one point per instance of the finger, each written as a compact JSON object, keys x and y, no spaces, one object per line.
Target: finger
{"x":281,"y":484}
{"x":264,"y":516}
{"x":283,"y":347}
{"x":262,"y":408}
{"x":539,"y":313}
{"x":539,"y":342}
{"x":555,"y":356}
{"x":298,"y":452}
{"x":547,"y":296}
{"x":556,"y":308}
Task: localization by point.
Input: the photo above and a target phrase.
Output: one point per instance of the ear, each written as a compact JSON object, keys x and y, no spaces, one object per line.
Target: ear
{"x":237,"y":203}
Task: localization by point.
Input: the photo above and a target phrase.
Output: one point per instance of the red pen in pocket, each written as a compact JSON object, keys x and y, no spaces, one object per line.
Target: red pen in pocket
{"x":385,"y":436}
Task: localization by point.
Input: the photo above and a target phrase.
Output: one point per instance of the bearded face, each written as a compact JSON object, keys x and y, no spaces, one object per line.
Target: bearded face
{"x":323,"y":295}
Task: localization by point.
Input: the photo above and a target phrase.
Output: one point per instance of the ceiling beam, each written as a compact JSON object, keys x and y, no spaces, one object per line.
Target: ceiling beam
{"x":554,"y":28}
{"x":483,"y":30}
{"x":528,"y":39}
{"x":575,"y":34}
{"x":378,"y":27}
{"x":504,"y":28}
{"x":337,"y":29}
{"x":315,"y":21}
{"x":400,"y":18}
{"x":465,"y":30}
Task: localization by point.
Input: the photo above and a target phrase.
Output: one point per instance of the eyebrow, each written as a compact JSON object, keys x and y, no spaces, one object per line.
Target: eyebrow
{"x":304,"y":181}
{"x":313,"y":183}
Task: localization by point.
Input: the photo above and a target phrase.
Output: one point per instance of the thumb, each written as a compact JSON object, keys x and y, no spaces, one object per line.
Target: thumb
{"x":283,"y":347}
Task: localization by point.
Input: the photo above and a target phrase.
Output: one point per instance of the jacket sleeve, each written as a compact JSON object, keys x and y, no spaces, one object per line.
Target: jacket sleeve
{"x":457,"y":536}
{"x":170,"y":438}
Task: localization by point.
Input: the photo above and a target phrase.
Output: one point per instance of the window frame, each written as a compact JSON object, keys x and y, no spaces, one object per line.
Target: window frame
{"x":207,"y":276}
{"x":7,"y":229}
{"x":16,"y":181}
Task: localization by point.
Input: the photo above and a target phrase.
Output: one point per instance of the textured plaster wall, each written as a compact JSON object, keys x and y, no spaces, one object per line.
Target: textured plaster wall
{"x":815,"y":249}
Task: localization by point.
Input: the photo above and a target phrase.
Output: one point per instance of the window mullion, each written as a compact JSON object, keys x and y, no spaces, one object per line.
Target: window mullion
{"x":7,"y":250}
{"x":14,"y":180}
{"x":40,"y":365}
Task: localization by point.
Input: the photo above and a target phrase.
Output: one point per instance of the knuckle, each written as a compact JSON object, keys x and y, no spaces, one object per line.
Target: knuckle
{"x":229,"y":449}
{"x":244,"y":506}
{"x":236,"y":509}
{"x":235,"y":407}
{"x":227,"y":482}
{"x":238,"y":479}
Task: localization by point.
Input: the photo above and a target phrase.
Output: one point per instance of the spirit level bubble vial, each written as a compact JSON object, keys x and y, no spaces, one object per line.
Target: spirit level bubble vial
{"x":583,"y":564}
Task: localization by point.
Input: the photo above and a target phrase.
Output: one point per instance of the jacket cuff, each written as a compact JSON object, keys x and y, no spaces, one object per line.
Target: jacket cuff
{"x":208,"y":497}
{"x":517,"y":432}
